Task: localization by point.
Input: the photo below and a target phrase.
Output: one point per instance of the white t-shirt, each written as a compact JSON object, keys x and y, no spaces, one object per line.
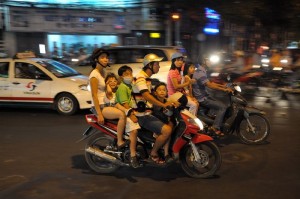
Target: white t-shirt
{"x":101,"y":85}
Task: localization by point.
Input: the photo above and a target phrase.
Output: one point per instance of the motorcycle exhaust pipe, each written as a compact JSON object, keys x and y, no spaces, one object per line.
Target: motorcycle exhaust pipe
{"x":101,"y":154}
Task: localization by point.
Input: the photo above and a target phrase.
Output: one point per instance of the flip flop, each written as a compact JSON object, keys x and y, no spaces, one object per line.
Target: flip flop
{"x":124,"y":144}
{"x":155,"y":160}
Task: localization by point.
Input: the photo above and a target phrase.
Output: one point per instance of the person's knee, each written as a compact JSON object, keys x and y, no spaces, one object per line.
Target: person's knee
{"x":166,"y":130}
{"x":122,"y":115}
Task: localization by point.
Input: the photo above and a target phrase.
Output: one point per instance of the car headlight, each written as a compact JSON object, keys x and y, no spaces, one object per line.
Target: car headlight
{"x":84,"y":87}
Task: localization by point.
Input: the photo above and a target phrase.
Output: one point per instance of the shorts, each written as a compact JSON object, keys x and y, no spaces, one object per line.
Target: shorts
{"x":151,"y":123}
{"x":130,"y":125}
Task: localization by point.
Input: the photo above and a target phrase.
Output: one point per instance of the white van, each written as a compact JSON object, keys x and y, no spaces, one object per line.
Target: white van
{"x":133,"y":57}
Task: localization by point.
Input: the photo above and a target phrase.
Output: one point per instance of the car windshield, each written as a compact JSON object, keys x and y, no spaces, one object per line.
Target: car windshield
{"x":58,"y":69}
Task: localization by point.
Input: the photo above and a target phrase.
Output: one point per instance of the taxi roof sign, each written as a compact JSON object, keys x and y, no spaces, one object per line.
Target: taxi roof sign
{"x":25,"y":55}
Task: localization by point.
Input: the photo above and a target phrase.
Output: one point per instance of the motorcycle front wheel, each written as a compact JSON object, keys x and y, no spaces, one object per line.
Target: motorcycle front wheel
{"x":96,"y":163}
{"x":209,"y":162}
{"x":255,"y":130}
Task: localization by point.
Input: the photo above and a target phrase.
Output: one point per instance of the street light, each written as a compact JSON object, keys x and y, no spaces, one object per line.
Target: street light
{"x":176,"y":18}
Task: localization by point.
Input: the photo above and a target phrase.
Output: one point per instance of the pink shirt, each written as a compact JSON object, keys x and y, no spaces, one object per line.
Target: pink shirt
{"x":173,"y":74}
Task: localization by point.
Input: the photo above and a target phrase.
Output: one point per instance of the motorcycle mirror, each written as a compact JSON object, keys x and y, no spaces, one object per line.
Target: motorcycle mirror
{"x":228,"y":78}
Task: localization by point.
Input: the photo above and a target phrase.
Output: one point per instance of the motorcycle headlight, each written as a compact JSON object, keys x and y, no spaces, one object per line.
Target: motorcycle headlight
{"x":84,"y":87}
{"x":196,"y":122}
{"x":214,"y":59}
{"x":238,"y":88}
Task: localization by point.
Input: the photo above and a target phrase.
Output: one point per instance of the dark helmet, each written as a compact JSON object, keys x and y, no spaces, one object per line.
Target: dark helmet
{"x":97,"y":52}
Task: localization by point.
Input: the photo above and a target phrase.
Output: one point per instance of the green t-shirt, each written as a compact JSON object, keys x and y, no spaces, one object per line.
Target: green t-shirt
{"x":123,"y":94}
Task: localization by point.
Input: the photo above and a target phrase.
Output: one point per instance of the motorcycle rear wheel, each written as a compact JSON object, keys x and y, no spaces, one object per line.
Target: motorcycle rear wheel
{"x":210,"y":160}
{"x":96,"y":163}
{"x":261,"y":126}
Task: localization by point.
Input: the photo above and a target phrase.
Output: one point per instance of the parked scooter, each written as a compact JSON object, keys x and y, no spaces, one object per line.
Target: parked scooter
{"x":249,"y":123}
{"x":197,"y":153}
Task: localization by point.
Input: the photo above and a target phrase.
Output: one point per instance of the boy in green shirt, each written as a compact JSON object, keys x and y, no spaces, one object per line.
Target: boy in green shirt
{"x":124,"y":97}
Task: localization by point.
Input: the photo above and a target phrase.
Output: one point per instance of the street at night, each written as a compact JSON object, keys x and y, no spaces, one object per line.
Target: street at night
{"x":41,"y":159}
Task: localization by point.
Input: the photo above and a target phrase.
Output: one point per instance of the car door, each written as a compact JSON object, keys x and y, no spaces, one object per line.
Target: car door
{"x":30,"y":83}
{"x":5,"y":91}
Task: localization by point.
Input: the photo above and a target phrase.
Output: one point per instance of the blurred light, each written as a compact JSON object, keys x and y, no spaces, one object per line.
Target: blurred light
{"x":75,"y":60}
{"x":214,"y":59}
{"x":277,"y":68}
{"x":265,"y":60}
{"x":214,"y":74}
{"x":284,"y":61}
{"x":154,"y":35}
{"x":211,"y":30}
{"x":265,"y":47}
{"x":175,"y":16}
{"x":255,"y":66}
{"x":42,"y":48}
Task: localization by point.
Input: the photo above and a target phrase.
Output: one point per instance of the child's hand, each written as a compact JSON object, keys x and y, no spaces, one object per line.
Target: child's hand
{"x":100,"y":119}
{"x":193,"y":81}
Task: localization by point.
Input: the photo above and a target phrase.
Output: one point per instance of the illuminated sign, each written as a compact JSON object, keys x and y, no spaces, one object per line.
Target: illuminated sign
{"x":155,"y":35}
{"x":213,"y":19}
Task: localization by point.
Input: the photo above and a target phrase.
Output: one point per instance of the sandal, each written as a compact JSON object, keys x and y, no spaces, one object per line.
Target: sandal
{"x":216,"y":132}
{"x":155,"y":160}
{"x":169,"y":159}
{"x":124,"y":144}
{"x":219,"y":133}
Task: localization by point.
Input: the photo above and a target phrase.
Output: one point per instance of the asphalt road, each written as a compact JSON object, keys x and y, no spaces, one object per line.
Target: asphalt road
{"x":39,"y":158}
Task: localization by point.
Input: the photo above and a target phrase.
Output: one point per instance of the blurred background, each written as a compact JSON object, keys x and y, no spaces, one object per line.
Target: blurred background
{"x":53,"y":26}
{"x":252,"y":32}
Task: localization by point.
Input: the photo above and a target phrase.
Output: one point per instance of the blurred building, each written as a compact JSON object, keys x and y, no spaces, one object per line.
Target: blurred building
{"x":47,"y":26}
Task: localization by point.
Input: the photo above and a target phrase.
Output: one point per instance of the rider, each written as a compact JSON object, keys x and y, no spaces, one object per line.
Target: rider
{"x":200,"y":93}
{"x":144,"y":99}
{"x":98,"y":87}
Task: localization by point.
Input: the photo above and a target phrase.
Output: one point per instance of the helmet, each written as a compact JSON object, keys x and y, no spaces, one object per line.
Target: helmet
{"x":97,"y":52}
{"x":151,"y":58}
{"x":176,"y":55}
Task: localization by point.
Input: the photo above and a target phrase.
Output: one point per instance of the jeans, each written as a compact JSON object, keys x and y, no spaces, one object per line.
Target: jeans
{"x":218,"y":107}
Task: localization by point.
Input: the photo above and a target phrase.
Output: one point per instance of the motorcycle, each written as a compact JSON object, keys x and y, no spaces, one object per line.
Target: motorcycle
{"x":249,"y":81}
{"x":197,"y":153}
{"x":249,"y":123}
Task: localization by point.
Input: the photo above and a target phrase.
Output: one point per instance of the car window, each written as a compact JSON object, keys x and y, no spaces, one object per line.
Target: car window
{"x":4,"y":69}
{"x":58,"y":69}
{"x":128,"y":55}
{"x":29,"y":71}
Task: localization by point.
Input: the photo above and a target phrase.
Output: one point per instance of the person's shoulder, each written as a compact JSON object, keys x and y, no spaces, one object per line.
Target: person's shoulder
{"x":122,"y":86}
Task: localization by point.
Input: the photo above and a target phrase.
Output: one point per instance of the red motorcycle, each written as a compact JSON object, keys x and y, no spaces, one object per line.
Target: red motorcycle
{"x":197,"y":153}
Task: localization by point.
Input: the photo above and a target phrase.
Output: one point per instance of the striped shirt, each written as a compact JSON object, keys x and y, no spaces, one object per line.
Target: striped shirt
{"x":141,"y":84}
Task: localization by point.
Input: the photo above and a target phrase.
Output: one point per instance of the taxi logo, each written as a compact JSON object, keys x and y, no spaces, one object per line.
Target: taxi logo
{"x":31,"y":86}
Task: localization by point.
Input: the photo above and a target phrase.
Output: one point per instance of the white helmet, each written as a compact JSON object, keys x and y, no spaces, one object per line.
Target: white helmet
{"x":151,"y":58}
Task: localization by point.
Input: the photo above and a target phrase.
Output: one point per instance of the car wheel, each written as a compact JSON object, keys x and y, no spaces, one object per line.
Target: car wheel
{"x":66,"y":104}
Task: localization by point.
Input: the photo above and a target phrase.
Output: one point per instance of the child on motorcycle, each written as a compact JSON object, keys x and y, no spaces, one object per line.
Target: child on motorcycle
{"x":110,"y":99}
{"x":124,"y":98}
{"x":188,"y":71}
{"x":160,"y":93}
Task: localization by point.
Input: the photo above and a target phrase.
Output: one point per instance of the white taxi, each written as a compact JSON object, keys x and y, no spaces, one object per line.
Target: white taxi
{"x":29,"y":81}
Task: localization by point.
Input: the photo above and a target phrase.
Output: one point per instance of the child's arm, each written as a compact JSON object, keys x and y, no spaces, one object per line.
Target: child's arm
{"x":108,"y":92}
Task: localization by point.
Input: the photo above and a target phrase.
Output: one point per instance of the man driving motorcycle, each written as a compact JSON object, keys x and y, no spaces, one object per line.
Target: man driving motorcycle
{"x":201,"y":94}
{"x":143,"y":99}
